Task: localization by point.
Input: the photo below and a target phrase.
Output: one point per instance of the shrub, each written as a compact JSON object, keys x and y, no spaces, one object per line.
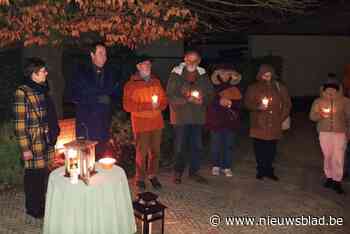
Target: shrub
{"x":11,"y":171}
{"x":122,"y":142}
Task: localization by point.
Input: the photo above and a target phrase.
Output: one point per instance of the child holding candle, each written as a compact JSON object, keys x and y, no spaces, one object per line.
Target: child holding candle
{"x":145,"y":99}
{"x":331,"y":111}
{"x":223,"y":118}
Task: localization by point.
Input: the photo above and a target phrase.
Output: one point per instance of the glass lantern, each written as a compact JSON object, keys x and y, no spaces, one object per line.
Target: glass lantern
{"x":80,"y":156}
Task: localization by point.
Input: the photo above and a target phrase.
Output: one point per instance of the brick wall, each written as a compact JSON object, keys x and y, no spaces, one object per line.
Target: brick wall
{"x":67,"y":133}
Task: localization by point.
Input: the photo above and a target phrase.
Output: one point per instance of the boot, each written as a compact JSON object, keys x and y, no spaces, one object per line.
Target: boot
{"x":329,"y":183}
{"x":155,"y":183}
{"x":337,"y":187}
{"x":271,"y":175}
{"x":177,"y":177}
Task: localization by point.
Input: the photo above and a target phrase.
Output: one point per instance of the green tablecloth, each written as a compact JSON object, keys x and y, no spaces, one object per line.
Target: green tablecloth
{"x":103,"y":207}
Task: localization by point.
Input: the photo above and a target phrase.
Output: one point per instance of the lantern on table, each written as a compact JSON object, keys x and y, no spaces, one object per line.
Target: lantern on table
{"x":148,"y":210}
{"x":80,"y":156}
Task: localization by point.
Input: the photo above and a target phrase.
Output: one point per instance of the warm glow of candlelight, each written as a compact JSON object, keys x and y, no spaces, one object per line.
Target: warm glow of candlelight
{"x":72,"y":153}
{"x":265,"y":101}
{"x":155,"y":99}
{"x":195,"y":94}
{"x":326,"y":110}
{"x":107,"y":163}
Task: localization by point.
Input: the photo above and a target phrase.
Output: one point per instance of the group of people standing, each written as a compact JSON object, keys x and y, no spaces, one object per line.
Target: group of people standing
{"x":196,"y":102}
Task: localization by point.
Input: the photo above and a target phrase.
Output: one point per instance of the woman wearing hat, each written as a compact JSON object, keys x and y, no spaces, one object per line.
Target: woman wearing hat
{"x":331,"y":111}
{"x":223,"y":118}
{"x":269,"y":105}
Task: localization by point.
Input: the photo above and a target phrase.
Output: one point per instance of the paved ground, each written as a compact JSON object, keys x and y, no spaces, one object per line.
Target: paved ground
{"x":299,"y":192}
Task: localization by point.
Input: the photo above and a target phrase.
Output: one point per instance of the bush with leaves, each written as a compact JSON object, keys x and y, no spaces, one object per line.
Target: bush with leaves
{"x":122,"y":142}
{"x":11,"y":171}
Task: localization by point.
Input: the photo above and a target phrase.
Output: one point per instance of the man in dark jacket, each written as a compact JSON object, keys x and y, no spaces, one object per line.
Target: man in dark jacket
{"x":92,"y":87}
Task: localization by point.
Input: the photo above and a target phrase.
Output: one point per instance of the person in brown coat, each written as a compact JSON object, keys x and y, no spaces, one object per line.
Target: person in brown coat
{"x":269,"y":105}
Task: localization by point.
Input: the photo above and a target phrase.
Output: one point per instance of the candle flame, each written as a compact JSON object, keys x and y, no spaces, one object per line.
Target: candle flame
{"x":154,"y":98}
{"x":195,"y":94}
{"x":265,"y":101}
{"x":326,"y":110}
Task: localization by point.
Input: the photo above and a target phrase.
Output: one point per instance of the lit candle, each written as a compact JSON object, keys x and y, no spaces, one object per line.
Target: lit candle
{"x":154,"y":99}
{"x":326,"y":110}
{"x":74,"y":175}
{"x":107,"y":163}
{"x":84,"y":167}
{"x":265,"y":101}
{"x":195,"y":94}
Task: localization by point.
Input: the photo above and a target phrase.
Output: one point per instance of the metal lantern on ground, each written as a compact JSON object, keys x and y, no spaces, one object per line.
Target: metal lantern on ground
{"x":148,"y":210}
{"x":80,"y":156}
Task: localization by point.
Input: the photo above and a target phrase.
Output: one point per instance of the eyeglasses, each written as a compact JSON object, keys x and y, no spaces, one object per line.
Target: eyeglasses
{"x":43,"y":70}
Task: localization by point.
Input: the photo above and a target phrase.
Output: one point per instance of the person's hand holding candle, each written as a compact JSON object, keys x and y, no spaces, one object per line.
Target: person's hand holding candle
{"x":265,"y":101}
{"x":155,"y":102}
{"x":225,"y":102}
{"x":325,"y":112}
{"x":195,"y":97}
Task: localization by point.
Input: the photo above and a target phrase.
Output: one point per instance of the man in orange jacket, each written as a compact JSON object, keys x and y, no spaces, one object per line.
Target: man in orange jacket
{"x":145,"y":99}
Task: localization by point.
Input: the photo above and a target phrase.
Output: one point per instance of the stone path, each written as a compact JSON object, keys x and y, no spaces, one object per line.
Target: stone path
{"x":299,"y":166}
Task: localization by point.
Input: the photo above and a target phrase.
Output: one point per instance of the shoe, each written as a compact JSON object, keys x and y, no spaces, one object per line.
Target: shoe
{"x":155,"y":183}
{"x":227,"y":172}
{"x":273,"y":177}
{"x":177,"y":178}
{"x":328,"y":183}
{"x":141,"y":184}
{"x":198,"y":178}
{"x":215,"y":171}
{"x":30,"y":219}
{"x":338,"y":188}
{"x":259,"y":176}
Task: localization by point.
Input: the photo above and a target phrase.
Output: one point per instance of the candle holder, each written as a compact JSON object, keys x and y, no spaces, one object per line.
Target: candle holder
{"x":107,"y":163}
{"x":148,"y":210}
{"x":80,"y":156}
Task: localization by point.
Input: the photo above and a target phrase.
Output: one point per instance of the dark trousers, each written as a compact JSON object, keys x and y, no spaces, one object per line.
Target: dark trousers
{"x":35,"y":186}
{"x":265,"y":152}
{"x":188,"y":147}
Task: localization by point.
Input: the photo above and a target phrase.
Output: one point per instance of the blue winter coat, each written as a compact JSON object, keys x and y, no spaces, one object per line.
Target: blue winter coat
{"x":93,"y":117}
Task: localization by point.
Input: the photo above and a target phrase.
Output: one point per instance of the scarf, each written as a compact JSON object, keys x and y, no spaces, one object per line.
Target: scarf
{"x":51,"y":117}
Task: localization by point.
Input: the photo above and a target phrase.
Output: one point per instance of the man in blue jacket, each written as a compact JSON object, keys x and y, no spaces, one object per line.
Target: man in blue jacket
{"x":92,"y":87}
